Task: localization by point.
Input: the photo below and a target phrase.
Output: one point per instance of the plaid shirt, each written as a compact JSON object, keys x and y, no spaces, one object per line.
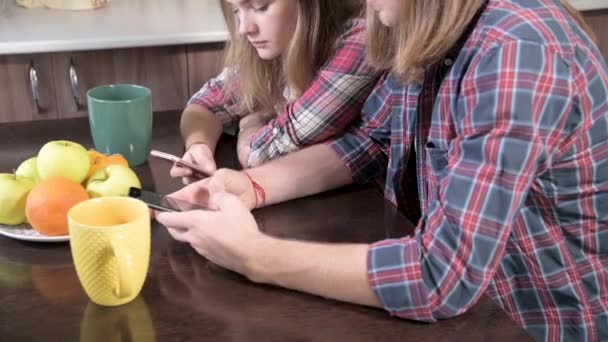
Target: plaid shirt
{"x":331,"y":103}
{"x":512,"y":168}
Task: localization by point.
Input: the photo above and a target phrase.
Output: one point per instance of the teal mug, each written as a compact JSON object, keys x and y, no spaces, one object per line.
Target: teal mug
{"x":120,"y":116}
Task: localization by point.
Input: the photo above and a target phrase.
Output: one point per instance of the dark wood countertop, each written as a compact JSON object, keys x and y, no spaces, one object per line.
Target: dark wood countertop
{"x":186,"y":298}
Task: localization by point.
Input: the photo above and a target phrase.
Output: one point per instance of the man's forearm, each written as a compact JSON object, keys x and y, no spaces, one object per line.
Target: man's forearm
{"x":309,"y":171}
{"x":200,"y":125}
{"x":328,"y":270}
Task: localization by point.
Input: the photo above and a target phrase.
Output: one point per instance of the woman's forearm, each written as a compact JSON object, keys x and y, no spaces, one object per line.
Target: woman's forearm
{"x":200,"y":125}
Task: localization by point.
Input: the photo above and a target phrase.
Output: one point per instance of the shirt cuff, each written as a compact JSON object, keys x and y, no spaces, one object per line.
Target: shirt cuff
{"x":395,"y":275}
{"x":270,"y":142}
{"x":363,"y":158}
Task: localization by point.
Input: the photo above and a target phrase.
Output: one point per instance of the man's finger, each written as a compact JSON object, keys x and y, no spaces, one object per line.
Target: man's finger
{"x":182,"y":220}
{"x":179,"y":234}
{"x":196,"y":193}
{"x":187,"y":193}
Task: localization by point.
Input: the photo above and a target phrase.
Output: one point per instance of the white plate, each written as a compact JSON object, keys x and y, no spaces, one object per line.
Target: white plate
{"x":25,"y":232}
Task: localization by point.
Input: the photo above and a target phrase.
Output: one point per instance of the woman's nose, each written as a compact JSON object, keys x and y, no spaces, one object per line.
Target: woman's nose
{"x":246,"y":25}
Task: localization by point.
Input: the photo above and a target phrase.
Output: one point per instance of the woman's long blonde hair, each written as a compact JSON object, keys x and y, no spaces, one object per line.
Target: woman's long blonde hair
{"x":426,"y":31}
{"x":259,"y":84}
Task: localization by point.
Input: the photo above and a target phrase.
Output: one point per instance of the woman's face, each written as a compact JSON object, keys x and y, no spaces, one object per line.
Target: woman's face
{"x":269,"y":25}
{"x":388,"y":10}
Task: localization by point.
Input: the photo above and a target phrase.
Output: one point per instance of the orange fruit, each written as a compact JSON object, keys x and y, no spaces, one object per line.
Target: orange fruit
{"x":48,"y":203}
{"x":100,"y":160}
{"x":93,"y":155}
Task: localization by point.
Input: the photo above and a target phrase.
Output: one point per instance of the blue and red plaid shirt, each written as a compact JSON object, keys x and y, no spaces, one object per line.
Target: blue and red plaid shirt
{"x":327,"y":108}
{"x":511,"y":153}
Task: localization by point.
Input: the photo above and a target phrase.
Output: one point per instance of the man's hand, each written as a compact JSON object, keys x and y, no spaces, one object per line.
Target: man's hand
{"x":226,"y":236}
{"x":224,"y":180}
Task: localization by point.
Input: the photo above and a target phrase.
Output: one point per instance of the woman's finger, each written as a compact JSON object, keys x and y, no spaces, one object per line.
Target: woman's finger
{"x":179,"y":171}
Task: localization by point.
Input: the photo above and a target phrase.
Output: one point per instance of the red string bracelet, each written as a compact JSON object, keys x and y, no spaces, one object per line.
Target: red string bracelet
{"x":258,"y":190}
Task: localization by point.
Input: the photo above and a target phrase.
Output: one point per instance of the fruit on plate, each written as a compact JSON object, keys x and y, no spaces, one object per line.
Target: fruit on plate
{"x":63,"y":158}
{"x":13,"y":195}
{"x":48,"y":204}
{"x":29,"y":169}
{"x":99,"y":160}
{"x":112,"y":180}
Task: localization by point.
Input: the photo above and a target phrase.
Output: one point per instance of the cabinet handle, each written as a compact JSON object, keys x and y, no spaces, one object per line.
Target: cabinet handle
{"x":74,"y":85}
{"x":35,"y":86}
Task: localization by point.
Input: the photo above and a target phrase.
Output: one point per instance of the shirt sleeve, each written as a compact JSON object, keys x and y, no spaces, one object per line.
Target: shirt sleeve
{"x":328,"y":107}
{"x":364,"y":147}
{"x":512,"y":112}
{"x":213,"y":97}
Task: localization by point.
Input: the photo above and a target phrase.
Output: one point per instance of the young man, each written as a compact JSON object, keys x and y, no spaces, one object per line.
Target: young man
{"x":502,"y":107}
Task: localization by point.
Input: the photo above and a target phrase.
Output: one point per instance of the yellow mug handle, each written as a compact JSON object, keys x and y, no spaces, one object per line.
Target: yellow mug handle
{"x":124,"y":282}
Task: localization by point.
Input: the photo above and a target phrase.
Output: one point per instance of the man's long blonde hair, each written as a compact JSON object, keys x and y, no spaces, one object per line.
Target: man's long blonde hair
{"x":258,"y":83}
{"x":426,"y":31}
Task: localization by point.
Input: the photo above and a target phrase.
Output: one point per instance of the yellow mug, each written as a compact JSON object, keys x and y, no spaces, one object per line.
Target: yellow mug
{"x":110,"y":242}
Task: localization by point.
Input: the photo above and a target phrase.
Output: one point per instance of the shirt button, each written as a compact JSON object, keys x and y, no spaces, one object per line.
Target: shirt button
{"x":275,"y":131}
{"x":448,"y":62}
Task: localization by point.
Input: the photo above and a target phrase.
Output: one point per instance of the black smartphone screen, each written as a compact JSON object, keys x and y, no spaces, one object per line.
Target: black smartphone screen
{"x":163,"y":203}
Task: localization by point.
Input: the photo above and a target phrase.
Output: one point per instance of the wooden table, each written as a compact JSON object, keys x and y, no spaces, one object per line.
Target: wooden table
{"x":186,"y":298}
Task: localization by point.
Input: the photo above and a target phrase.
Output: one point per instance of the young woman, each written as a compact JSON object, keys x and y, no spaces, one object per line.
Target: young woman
{"x":295,"y":75}
{"x":501,"y":107}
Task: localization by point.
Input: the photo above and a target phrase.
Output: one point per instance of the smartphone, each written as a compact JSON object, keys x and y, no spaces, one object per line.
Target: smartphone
{"x":163,"y":203}
{"x":180,"y":162}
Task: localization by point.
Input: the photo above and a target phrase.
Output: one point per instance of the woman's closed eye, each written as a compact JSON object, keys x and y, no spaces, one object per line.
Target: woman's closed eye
{"x":261,"y":8}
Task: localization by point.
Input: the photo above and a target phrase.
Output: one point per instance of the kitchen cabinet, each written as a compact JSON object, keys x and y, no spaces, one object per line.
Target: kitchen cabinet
{"x":162,"y":69}
{"x":598,"y":20}
{"x":26,"y":88}
{"x":54,"y":85}
{"x":205,"y":61}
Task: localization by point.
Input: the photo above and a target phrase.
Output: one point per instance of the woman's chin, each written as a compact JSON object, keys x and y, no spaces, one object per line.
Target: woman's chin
{"x":267,"y":54}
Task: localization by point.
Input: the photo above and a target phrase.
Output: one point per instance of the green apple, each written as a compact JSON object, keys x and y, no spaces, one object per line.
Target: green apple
{"x":29,"y":169}
{"x":112,"y":180}
{"x":63,"y":159}
{"x":13,"y":194}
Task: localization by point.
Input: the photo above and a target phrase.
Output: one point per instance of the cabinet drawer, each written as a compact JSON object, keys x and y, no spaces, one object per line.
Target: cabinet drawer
{"x":162,"y":69}
{"x":26,"y":88}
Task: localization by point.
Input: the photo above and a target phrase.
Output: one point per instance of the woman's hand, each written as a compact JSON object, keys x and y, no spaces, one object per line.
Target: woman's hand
{"x":248,"y":127}
{"x":243,"y":145}
{"x":228,"y":236}
{"x":199,"y":154}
